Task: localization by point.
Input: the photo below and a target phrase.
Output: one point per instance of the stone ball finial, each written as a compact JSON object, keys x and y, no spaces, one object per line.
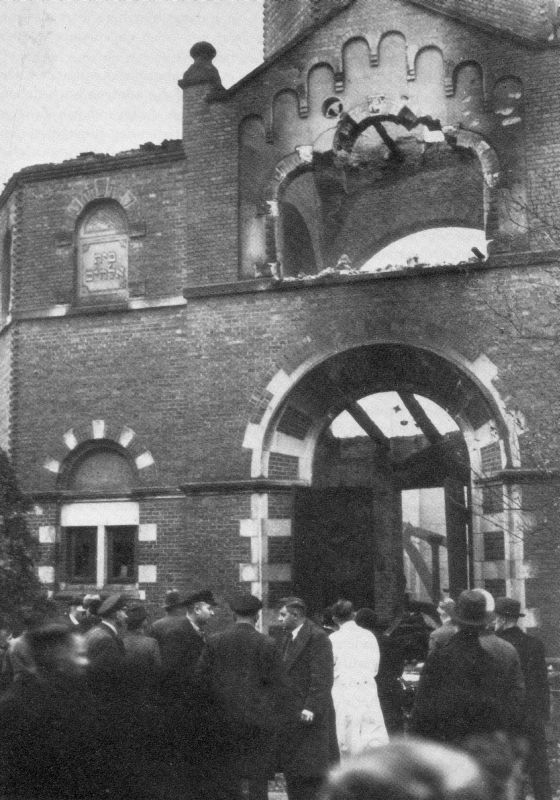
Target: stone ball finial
{"x":203,"y":50}
{"x":202,"y":70}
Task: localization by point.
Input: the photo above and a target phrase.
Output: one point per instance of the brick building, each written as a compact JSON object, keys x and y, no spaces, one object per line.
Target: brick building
{"x":181,"y":324}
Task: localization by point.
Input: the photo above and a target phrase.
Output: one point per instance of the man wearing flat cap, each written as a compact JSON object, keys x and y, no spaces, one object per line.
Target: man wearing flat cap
{"x":470,"y":686}
{"x":244,"y":673}
{"x":537,"y":699}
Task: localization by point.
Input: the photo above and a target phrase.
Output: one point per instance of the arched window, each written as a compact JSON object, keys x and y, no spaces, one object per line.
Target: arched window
{"x":99,"y":536}
{"x":102,"y":244}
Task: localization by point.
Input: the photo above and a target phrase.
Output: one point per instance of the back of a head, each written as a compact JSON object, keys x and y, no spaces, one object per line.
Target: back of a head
{"x":409,"y":770}
{"x":53,"y":648}
{"x":343,"y":610}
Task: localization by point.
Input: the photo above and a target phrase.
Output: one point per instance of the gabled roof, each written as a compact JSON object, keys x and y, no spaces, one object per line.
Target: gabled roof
{"x":530,"y":23}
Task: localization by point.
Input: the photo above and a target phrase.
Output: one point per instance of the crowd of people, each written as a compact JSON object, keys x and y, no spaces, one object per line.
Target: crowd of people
{"x":98,"y":703}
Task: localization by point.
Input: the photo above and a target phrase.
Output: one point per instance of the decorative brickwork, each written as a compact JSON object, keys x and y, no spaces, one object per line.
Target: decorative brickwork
{"x":242,"y":337}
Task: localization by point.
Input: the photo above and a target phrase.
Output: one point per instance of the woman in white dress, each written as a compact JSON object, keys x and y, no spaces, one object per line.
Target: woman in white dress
{"x":360,"y":727}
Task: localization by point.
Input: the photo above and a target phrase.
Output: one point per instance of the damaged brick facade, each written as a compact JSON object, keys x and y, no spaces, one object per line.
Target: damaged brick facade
{"x":175,"y":311}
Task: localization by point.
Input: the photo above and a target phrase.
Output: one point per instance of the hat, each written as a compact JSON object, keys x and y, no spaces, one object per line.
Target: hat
{"x":490,"y":602}
{"x":111,"y":604}
{"x":245,"y":604}
{"x":202,"y":596}
{"x":508,"y":607}
{"x":136,"y":613}
{"x":470,"y":609}
{"x":173,"y":599}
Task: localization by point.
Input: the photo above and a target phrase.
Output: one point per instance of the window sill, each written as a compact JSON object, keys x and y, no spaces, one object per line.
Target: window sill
{"x":67,"y":310}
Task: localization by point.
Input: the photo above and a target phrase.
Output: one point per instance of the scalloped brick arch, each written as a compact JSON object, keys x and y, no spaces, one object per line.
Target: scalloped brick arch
{"x":99,"y":431}
{"x":102,"y":189}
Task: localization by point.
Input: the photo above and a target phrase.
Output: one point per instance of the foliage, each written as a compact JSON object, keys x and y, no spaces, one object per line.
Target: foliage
{"x":19,"y":585}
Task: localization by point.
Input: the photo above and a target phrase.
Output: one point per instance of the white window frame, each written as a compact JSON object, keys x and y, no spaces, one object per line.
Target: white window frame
{"x":100,"y":515}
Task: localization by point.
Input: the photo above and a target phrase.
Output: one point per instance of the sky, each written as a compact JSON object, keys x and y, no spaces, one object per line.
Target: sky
{"x":390,"y":414}
{"x":101,"y":75}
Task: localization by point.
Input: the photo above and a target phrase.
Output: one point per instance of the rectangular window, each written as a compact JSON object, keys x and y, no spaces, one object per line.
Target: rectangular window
{"x":491,"y":458}
{"x":101,"y":554}
{"x":121,"y":561}
{"x":81,"y":554}
{"x":494,"y":546}
{"x":492,"y":498}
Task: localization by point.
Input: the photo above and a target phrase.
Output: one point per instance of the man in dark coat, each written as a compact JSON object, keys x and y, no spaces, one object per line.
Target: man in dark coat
{"x":243,"y":670}
{"x":306,"y":744}
{"x":469,"y":686}
{"x":537,"y":697}
{"x":143,"y":659}
{"x":104,"y":644}
{"x":180,"y":636}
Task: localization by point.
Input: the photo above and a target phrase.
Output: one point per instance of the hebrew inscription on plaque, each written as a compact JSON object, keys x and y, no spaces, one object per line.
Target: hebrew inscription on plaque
{"x":103,"y":266}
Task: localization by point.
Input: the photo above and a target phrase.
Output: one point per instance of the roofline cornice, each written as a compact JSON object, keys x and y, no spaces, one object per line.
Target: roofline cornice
{"x":77,"y":167}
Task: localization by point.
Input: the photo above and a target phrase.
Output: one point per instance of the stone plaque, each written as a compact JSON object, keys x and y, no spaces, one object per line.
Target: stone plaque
{"x":103,"y":266}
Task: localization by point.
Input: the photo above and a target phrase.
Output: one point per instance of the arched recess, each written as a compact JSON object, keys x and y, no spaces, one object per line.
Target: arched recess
{"x":429,"y":86}
{"x":102,"y":237}
{"x":300,"y":229}
{"x":252,"y":169}
{"x":98,"y":467}
{"x":352,"y":202}
{"x":298,"y":255}
{"x":467,"y":465}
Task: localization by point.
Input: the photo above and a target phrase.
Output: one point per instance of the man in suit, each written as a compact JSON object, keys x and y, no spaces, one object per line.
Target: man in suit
{"x":537,"y":698}
{"x":473,"y":685}
{"x":180,"y":636}
{"x":306,"y":748}
{"x":243,"y":669}
{"x":104,"y":645}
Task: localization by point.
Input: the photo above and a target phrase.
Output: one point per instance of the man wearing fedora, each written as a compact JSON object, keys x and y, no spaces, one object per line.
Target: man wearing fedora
{"x":180,"y":636}
{"x":471,"y":685}
{"x":243,"y":670}
{"x":537,"y":698}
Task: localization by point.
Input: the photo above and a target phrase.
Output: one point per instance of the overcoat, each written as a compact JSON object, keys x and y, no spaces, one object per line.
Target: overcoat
{"x":533,"y":665}
{"x":307,"y":749}
{"x":180,"y":647}
{"x":537,"y":706}
{"x":244,"y":674}
{"x":105,"y":648}
{"x":468,"y":687}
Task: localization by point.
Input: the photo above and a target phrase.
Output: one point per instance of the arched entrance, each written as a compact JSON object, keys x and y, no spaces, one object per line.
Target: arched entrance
{"x":343,"y":531}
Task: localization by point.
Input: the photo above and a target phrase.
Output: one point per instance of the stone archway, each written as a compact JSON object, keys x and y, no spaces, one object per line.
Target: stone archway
{"x":300,"y":408}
